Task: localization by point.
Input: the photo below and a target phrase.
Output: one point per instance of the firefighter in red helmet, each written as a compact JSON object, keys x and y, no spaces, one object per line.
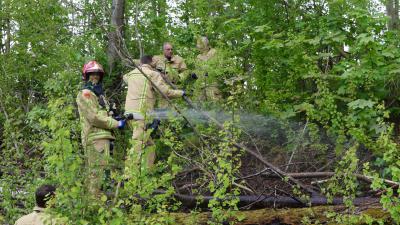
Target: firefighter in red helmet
{"x":96,"y":124}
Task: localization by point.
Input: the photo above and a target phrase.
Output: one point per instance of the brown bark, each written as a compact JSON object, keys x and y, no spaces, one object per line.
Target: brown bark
{"x":392,"y":10}
{"x":117,"y":24}
{"x":396,"y":14}
{"x":136,"y":21}
{"x":285,"y":216}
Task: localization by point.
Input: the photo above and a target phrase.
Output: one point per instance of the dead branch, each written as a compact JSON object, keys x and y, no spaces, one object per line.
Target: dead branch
{"x":256,"y":174}
{"x":295,"y":147}
{"x":367,"y":179}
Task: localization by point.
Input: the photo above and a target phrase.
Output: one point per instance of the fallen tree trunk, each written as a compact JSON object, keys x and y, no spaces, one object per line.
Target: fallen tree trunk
{"x":271,"y":201}
{"x":314,"y":215}
{"x":264,"y":201}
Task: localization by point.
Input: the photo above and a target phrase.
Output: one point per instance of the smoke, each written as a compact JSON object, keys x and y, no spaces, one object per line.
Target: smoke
{"x":276,"y":131}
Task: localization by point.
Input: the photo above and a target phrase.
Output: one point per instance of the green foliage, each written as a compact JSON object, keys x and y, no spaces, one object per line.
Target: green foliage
{"x":225,"y":165}
{"x":344,"y":182}
{"x":281,"y":59}
{"x":390,"y":170}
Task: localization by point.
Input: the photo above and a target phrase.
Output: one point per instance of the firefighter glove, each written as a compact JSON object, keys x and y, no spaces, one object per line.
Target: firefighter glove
{"x":153,"y":125}
{"x":129,"y":116}
{"x":194,"y":76}
{"x":121,"y":124}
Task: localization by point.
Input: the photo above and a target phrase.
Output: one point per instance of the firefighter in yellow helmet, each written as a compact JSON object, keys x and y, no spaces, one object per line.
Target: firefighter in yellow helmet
{"x":96,"y":123}
{"x":140,"y":101}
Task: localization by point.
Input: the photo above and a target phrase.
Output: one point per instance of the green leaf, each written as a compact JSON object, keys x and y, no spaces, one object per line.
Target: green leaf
{"x":339,"y":38}
{"x":361,"y":104}
{"x":103,"y":198}
{"x":314,"y":41}
{"x":394,"y":71}
{"x":262,"y":28}
{"x":364,"y":39}
{"x":388,"y":53}
{"x":303,"y":107}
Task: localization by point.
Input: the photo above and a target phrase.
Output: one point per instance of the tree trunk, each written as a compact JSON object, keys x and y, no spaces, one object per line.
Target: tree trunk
{"x":8,"y":39}
{"x":137,"y":31}
{"x":396,"y":14}
{"x":392,"y":10}
{"x":6,"y":26}
{"x":117,"y":24}
{"x":1,"y":27}
{"x":315,"y":215}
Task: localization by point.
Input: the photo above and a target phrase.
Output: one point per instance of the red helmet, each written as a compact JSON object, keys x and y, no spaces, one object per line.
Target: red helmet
{"x":92,"y":67}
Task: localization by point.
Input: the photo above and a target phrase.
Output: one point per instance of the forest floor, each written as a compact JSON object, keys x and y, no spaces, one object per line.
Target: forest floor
{"x":292,"y":216}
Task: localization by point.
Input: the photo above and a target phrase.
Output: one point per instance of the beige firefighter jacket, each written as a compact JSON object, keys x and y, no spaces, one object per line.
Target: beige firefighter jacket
{"x":207,"y":55}
{"x":174,"y":68}
{"x":140,"y":97}
{"x":212,"y":63}
{"x":177,"y":63}
{"x":37,"y":217}
{"x":96,"y":124}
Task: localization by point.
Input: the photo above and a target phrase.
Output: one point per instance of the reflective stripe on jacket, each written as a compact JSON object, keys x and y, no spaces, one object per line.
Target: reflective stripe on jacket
{"x":96,"y":124}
